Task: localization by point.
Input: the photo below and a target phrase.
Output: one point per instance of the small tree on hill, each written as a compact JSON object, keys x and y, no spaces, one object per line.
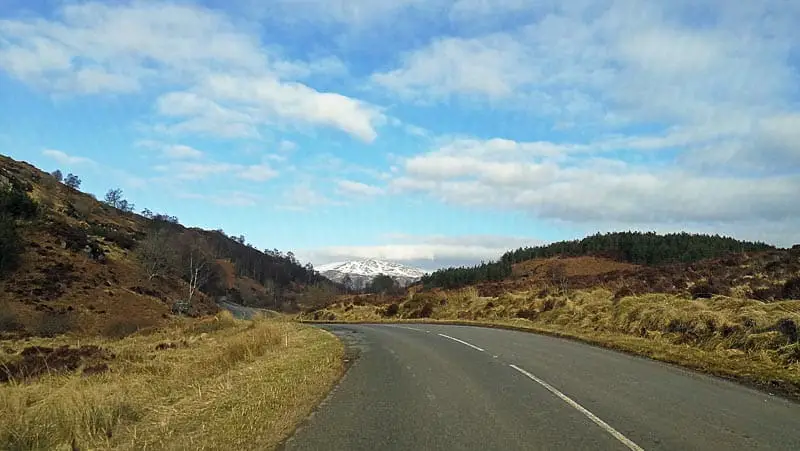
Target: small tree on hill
{"x":115,"y":199}
{"x":72,"y":181}
{"x":156,"y":254}
{"x":57,"y":175}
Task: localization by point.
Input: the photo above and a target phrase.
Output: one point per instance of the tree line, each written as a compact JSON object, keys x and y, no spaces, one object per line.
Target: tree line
{"x":642,"y":248}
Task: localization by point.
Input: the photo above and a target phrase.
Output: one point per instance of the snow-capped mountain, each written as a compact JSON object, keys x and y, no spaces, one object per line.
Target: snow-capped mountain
{"x":361,"y":272}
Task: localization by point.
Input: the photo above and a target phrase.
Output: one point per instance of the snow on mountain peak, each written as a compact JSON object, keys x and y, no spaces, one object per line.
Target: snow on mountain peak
{"x":371,"y":268}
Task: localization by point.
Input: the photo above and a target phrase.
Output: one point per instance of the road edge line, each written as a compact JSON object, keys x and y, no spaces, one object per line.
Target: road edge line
{"x":462,"y":342}
{"x":605,"y":426}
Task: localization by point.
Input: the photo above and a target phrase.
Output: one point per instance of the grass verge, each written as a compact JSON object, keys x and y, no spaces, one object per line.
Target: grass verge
{"x":747,"y":341}
{"x":215,"y":384}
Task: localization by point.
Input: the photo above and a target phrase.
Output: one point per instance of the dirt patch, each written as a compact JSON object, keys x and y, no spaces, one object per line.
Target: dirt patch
{"x":35,"y":361}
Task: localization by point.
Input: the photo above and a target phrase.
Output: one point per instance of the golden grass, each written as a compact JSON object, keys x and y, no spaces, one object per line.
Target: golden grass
{"x":734,"y":338}
{"x":227,"y":384}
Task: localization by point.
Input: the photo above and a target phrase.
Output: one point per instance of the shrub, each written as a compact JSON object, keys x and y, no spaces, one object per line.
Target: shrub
{"x":702,"y":290}
{"x":527,"y":313}
{"x":127,"y":326}
{"x":392,"y":310}
{"x":787,"y":327}
{"x":52,"y":324}
{"x":767,"y":294}
{"x":11,"y":246}
{"x":622,"y":293}
{"x":791,"y":289}
{"x":15,"y":203}
{"x":8,"y":320}
{"x":121,"y":239}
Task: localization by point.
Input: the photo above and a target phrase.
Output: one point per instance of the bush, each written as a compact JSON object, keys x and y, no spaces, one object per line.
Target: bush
{"x":392,"y":310}
{"x":702,"y":290}
{"x":16,"y":204}
{"x":52,"y":324}
{"x":787,"y":327}
{"x":8,"y":320}
{"x":128,"y":326}
{"x":11,"y":246}
{"x":623,"y":292}
{"x":121,"y":239}
{"x":791,"y":289}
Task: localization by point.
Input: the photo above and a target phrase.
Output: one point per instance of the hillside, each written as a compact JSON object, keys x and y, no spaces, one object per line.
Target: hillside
{"x":630,"y":247}
{"x":72,"y":263}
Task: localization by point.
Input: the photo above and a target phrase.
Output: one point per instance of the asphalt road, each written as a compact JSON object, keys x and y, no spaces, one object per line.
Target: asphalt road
{"x":433,"y":387}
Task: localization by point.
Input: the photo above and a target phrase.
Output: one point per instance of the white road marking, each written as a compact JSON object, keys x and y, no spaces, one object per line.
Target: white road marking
{"x":615,"y":433}
{"x":462,"y":342}
{"x":409,"y":328}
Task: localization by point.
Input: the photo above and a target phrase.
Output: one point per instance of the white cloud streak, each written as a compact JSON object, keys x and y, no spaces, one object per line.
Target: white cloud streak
{"x":97,"y":48}
{"x":64,"y":158}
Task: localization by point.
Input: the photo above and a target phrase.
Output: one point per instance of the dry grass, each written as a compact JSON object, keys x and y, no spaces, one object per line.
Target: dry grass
{"x":747,"y":340}
{"x":219,"y":383}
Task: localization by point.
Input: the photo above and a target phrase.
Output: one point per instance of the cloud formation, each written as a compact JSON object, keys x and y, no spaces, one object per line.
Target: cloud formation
{"x":426,"y":252}
{"x":232,"y":83}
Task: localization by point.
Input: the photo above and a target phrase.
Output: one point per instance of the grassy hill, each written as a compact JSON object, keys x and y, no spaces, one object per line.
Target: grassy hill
{"x":71,"y":263}
{"x":734,"y":315}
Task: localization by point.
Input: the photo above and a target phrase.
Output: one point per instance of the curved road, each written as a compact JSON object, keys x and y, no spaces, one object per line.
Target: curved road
{"x":435,"y":387}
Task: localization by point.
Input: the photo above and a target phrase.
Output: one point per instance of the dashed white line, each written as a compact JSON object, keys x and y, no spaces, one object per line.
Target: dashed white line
{"x":615,"y":433}
{"x":462,"y":342}
{"x":409,"y":328}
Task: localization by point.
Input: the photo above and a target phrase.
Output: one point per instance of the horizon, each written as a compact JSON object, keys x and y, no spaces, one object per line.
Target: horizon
{"x":469,"y":131}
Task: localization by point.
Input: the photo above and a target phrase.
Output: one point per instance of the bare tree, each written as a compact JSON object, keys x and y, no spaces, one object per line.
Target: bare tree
{"x":558,"y":276}
{"x":156,"y":254}
{"x":196,"y":262}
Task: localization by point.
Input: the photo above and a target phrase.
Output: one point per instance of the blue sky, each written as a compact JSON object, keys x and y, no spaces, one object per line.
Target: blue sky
{"x":430,"y":132}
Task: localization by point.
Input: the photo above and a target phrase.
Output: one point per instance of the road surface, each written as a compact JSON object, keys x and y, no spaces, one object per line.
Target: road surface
{"x":436,"y":387}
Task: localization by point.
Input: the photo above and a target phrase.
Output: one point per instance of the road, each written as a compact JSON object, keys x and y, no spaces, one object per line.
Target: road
{"x":436,"y":387}
{"x":242,"y":312}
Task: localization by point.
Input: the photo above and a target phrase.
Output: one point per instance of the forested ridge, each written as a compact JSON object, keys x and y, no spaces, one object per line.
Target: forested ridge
{"x":643,"y":248}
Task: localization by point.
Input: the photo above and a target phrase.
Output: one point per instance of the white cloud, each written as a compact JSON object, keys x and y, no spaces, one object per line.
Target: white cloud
{"x":180,"y":151}
{"x":287,"y":146}
{"x":199,"y":170}
{"x":195,"y":170}
{"x":302,"y":196}
{"x":594,"y":189}
{"x":587,"y":63}
{"x":427,"y":252}
{"x":269,"y":99}
{"x":93,"y":48}
{"x":353,"y":188}
{"x":226,"y":199}
{"x":66,"y":159}
{"x":258,"y":173}
{"x":494,"y":66}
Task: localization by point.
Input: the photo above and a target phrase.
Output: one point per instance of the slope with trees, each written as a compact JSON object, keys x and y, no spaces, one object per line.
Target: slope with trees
{"x":71,"y":260}
{"x":644,"y":248}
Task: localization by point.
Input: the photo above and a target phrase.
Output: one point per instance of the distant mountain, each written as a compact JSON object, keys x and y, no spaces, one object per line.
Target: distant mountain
{"x":362,"y":272}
